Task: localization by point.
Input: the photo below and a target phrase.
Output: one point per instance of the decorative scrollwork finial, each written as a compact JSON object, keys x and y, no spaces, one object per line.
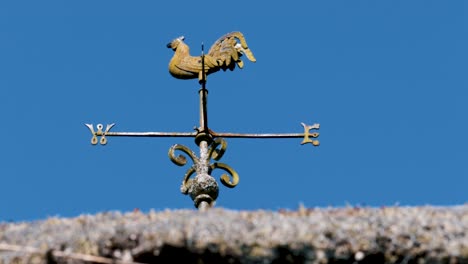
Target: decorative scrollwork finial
{"x":204,"y":187}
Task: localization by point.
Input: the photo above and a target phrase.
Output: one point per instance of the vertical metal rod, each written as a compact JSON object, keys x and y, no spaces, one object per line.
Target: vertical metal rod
{"x":204,"y":159}
{"x":203,"y":177}
{"x":203,"y":110}
{"x":203,"y":97}
{"x":203,"y":206}
{"x":206,"y":188}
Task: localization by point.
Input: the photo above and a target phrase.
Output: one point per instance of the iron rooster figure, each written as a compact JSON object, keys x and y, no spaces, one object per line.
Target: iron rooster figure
{"x":224,"y":54}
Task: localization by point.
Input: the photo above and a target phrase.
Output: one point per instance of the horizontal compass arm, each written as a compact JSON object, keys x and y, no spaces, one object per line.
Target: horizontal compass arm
{"x":252,"y":135}
{"x":104,"y":133}
{"x":151,"y":134}
{"x":306,"y":135}
{"x":193,"y":134}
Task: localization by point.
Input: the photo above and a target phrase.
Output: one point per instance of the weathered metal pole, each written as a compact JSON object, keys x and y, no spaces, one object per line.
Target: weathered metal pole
{"x":206,"y":188}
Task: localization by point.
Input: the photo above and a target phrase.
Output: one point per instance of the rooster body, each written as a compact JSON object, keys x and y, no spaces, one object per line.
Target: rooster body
{"x":224,"y":54}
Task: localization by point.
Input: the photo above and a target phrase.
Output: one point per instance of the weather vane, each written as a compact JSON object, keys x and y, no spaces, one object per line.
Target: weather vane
{"x":224,"y":54}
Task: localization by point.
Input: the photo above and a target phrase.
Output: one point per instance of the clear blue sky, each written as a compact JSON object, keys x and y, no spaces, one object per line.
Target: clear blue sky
{"x":387,"y":81}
